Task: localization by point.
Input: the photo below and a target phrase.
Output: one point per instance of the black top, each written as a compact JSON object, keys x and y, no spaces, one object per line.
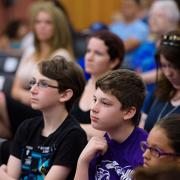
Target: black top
{"x":18,"y":112}
{"x":82,"y":116}
{"x":39,"y":153}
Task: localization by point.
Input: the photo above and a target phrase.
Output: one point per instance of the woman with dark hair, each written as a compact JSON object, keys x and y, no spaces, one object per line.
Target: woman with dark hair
{"x":163,"y":143}
{"x":167,"y":93}
{"x":104,"y":52}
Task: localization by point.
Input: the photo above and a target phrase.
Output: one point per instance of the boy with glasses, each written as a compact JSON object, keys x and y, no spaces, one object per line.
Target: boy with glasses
{"x":49,"y":146}
{"x":115,"y":109}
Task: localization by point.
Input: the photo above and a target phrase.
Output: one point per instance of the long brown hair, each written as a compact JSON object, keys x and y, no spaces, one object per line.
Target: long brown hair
{"x":170,"y":49}
{"x":62,"y":36}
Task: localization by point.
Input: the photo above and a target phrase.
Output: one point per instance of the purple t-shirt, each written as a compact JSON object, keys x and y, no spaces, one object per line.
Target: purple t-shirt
{"x":120,"y":159}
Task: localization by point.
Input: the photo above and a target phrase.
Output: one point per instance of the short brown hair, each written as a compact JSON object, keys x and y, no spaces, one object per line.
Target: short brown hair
{"x":115,"y":45}
{"x":127,"y":86}
{"x":68,"y":74}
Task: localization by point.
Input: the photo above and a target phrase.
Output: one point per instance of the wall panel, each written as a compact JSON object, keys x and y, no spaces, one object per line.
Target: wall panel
{"x":84,"y":12}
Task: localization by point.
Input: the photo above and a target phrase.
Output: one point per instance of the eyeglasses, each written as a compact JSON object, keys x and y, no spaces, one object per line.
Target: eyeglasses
{"x":40,"y":84}
{"x":155,"y":151}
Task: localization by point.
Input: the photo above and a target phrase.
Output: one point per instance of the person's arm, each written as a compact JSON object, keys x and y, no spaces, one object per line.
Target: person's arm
{"x":131,"y":44}
{"x":58,"y":173}
{"x":19,"y":93}
{"x":90,"y":131}
{"x":13,"y":169}
{"x":95,"y":145}
{"x":149,"y":76}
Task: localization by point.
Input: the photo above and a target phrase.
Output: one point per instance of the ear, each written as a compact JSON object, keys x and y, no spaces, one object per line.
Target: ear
{"x":114,"y":63}
{"x":66,"y":95}
{"x":129,"y":113}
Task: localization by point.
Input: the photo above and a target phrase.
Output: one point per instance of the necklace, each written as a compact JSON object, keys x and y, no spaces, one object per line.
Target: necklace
{"x":163,"y":109}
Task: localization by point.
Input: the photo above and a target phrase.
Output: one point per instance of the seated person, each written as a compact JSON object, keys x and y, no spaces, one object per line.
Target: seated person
{"x":115,"y":109}
{"x":51,"y":37}
{"x":163,"y":143}
{"x":163,"y":17}
{"x":131,"y":29}
{"x":44,"y":147}
{"x":166,"y":98}
{"x":105,"y":51}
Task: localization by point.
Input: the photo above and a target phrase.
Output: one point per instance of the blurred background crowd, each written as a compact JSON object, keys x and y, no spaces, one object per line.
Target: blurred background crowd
{"x":31,"y":32}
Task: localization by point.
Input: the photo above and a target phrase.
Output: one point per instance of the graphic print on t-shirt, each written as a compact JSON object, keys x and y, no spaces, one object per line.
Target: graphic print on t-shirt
{"x":103,"y":171}
{"x":36,"y":162}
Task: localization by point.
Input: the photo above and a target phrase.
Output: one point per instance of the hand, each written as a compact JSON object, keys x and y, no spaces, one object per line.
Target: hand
{"x":3,"y":168}
{"x":94,"y":146}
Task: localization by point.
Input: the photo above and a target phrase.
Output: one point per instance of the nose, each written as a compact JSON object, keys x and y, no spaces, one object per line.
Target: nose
{"x":34,"y":88}
{"x":146,"y":154}
{"x":89,"y":56}
{"x":168,"y":72}
{"x":94,"y":107}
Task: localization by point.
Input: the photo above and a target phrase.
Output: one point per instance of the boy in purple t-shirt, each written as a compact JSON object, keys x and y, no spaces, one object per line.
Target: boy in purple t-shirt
{"x":115,"y":109}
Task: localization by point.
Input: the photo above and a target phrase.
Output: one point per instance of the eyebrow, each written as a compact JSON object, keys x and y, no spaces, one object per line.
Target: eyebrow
{"x":103,"y":99}
{"x":155,"y":146}
{"x":47,"y":80}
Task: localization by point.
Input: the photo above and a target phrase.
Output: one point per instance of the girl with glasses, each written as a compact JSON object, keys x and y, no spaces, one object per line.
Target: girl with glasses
{"x":163,"y":143}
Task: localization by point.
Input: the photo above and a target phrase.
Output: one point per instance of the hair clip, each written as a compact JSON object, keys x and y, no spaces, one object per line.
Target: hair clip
{"x":171,"y":40}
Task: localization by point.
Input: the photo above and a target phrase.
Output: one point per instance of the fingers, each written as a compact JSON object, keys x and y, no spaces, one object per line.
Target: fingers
{"x":99,"y":144}
{"x":94,"y":146}
{"x":3,"y":167}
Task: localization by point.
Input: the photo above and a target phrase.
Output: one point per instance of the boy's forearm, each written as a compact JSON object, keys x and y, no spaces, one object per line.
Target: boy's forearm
{"x":82,"y":171}
{"x":4,"y":175}
{"x":13,"y":168}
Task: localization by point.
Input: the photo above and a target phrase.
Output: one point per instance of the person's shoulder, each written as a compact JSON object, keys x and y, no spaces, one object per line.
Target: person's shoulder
{"x":70,"y":129}
{"x":75,"y":126}
{"x":71,"y":124}
{"x":31,"y":123}
{"x":63,"y":52}
{"x":141,"y":133}
{"x":116,"y":25}
{"x":28,"y":53}
{"x":141,"y":25}
{"x":28,"y":127}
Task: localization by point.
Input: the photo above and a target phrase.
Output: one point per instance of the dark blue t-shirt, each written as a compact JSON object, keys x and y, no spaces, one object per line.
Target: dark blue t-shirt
{"x":159,"y":109}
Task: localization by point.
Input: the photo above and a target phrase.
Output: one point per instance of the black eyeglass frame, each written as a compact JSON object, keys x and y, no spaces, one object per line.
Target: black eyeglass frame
{"x":41,"y":84}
